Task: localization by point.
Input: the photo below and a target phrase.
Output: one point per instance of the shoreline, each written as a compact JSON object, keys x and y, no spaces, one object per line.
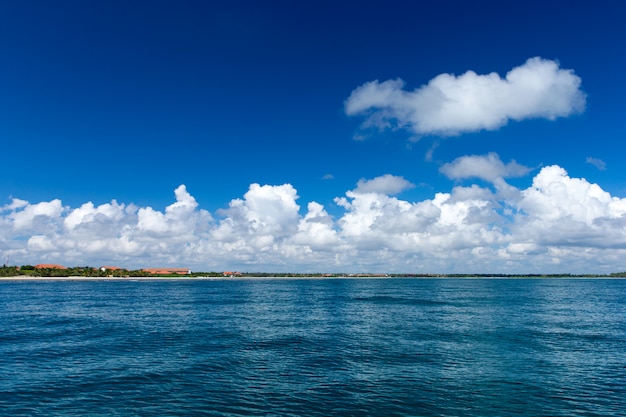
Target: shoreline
{"x":80,"y":278}
{"x":228,"y":278}
{"x":23,"y":278}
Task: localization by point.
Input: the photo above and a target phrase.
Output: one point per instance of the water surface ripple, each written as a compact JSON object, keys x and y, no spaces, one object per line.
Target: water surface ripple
{"x":388,"y":347}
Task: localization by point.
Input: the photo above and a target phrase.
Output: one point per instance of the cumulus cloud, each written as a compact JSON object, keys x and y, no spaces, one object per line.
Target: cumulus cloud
{"x":449,"y":105}
{"x":566,"y":211}
{"x":487,"y":167}
{"x":556,"y":224}
{"x":35,"y":217}
{"x":179,"y":220}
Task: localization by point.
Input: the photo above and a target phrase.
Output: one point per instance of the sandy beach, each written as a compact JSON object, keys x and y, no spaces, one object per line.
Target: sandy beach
{"x":183,"y":278}
{"x":79,"y":278}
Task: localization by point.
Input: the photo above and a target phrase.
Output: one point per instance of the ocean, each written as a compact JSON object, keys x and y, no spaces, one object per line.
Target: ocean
{"x":313,"y":347}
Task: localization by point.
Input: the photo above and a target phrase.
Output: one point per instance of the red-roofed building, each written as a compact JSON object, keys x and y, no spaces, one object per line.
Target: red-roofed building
{"x":49,"y":266}
{"x":168,"y":271}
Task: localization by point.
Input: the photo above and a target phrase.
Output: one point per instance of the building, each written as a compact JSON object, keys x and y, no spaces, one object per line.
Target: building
{"x":168,"y":271}
{"x":109,"y":268}
{"x":49,"y":266}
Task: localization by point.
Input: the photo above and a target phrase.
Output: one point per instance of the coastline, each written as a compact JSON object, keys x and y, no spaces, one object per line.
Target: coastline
{"x":184,"y":278}
{"x":80,"y":278}
{"x":23,"y":278}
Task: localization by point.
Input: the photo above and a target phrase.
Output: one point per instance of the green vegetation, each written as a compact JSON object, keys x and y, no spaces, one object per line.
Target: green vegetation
{"x":9,"y":271}
{"x":78,"y":271}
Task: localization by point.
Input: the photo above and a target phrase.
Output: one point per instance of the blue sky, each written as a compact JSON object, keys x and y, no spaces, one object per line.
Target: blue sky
{"x":108,"y":107}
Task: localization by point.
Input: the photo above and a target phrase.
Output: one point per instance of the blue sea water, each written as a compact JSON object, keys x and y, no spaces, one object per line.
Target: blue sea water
{"x":340,"y":347}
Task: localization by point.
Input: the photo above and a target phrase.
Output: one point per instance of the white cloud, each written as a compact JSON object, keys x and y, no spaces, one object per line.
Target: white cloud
{"x":487,"y":167}
{"x":35,"y":217}
{"x":180,"y":220}
{"x":87,"y":214}
{"x":265,"y":212}
{"x":385,"y":184}
{"x":598,"y":163}
{"x":564,"y":211}
{"x":556,"y":224}
{"x":449,"y":105}
{"x":16,"y":203}
{"x":315,"y":230}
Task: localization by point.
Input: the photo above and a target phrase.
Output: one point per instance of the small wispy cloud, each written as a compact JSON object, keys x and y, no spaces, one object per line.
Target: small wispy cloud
{"x":358,"y":137}
{"x":328,"y":177}
{"x":428,"y":157}
{"x":598,"y":163}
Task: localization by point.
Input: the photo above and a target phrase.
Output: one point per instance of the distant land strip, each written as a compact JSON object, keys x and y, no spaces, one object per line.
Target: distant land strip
{"x":48,"y":271}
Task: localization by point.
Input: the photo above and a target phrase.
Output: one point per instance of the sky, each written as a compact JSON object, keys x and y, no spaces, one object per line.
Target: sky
{"x":314,"y":136}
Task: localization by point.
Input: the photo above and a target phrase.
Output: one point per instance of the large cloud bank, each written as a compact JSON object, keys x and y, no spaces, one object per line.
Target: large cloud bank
{"x":449,"y":105}
{"x":557,"y":224}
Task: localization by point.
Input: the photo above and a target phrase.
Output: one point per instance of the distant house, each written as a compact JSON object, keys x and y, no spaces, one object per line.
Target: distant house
{"x":49,"y":266}
{"x":109,"y":268}
{"x":231,"y":274}
{"x":168,"y":271}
